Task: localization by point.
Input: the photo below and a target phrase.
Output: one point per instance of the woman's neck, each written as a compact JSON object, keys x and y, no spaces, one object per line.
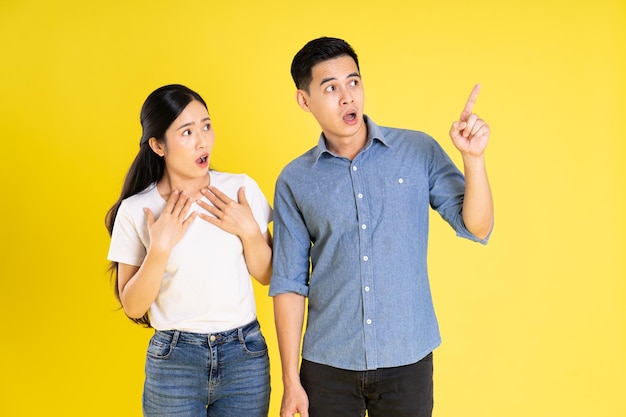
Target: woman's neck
{"x":191,"y":187}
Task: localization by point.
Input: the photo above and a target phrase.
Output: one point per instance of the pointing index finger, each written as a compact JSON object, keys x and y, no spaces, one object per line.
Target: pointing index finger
{"x":469,"y":106}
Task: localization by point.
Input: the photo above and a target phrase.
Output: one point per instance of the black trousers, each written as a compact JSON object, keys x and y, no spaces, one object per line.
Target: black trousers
{"x":404,"y":391}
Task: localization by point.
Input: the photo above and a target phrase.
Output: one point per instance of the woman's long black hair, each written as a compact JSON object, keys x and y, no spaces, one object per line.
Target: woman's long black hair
{"x":158,"y":112}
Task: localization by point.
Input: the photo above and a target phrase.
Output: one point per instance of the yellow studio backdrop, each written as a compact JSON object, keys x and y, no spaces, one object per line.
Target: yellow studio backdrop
{"x":533,"y":324}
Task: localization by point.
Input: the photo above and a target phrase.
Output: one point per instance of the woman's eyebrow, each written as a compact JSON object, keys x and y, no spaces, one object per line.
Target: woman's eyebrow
{"x":191,"y":123}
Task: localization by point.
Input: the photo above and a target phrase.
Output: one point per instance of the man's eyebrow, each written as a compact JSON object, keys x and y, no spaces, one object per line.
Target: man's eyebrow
{"x":325,"y":80}
{"x":353,"y":74}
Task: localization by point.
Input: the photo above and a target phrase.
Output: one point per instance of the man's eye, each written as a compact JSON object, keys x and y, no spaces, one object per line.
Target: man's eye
{"x":354,"y":83}
{"x":330,"y":88}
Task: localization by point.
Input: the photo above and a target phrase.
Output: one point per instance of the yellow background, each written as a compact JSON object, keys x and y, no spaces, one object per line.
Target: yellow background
{"x":534,"y":324}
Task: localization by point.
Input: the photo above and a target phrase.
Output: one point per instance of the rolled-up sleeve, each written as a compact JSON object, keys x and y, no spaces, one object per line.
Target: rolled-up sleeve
{"x":292,"y":242}
{"x":447,"y":191}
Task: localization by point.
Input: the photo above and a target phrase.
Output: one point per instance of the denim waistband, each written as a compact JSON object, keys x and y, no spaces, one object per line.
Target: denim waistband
{"x":179,"y":336}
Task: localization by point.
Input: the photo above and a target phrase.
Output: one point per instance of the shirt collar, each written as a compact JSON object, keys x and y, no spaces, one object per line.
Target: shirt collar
{"x":374,"y":132}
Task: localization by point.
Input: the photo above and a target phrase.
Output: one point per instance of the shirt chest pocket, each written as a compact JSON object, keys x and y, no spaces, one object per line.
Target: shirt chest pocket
{"x":401,"y":194}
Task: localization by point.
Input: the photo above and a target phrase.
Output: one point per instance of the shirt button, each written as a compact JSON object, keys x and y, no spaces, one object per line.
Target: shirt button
{"x":365,"y":258}
{"x":212,"y":338}
{"x":360,"y":195}
{"x":369,"y":321}
{"x":400,"y":180}
{"x":367,"y":289}
{"x":354,"y":168}
{"x":363,"y":227}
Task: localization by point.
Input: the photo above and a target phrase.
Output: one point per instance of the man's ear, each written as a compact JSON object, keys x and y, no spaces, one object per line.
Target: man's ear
{"x":303,"y":100}
{"x":157,"y":147}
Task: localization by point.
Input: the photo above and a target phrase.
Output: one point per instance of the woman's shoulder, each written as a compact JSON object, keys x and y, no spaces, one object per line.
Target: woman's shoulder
{"x":222,"y":179}
{"x":230,"y":184}
{"x":143,"y":198}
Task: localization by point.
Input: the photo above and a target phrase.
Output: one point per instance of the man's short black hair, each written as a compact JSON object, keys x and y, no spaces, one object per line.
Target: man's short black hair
{"x":314,"y":52}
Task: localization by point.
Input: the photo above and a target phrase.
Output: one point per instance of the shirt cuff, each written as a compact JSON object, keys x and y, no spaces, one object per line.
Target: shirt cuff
{"x":282,"y":285}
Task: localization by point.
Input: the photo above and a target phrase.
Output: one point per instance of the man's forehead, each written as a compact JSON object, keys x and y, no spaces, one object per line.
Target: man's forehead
{"x":335,"y":68}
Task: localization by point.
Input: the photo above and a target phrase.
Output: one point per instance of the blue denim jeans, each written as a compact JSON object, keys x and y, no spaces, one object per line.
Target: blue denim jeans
{"x":404,"y":391}
{"x":219,"y":375}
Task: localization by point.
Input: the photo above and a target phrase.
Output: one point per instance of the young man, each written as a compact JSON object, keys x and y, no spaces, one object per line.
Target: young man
{"x":355,"y":209}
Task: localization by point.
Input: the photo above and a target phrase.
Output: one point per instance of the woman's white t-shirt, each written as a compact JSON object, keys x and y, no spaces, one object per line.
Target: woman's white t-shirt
{"x":206,"y":286}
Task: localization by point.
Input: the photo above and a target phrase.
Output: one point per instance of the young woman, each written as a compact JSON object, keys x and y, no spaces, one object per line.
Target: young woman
{"x":184,"y":241}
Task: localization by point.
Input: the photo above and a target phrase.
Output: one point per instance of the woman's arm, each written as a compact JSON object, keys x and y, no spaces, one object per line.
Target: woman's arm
{"x":236,"y":217}
{"x":139,"y":285}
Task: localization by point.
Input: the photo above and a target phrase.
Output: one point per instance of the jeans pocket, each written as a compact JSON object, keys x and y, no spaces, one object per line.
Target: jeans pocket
{"x":254,"y":343}
{"x":160,"y":346}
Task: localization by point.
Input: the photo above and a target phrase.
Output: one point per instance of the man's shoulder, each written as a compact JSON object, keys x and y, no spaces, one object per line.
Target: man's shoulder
{"x":304,"y":161}
{"x":402,"y":142}
{"x":391,"y":134}
{"x":399,"y":134}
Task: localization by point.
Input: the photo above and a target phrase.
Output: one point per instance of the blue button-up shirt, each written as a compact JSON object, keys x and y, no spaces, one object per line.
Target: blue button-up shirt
{"x":353,"y":235}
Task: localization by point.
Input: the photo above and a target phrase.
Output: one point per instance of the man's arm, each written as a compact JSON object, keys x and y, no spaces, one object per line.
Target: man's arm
{"x":470,"y":135}
{"x":289,"y":318}
{"x":478,"y":202}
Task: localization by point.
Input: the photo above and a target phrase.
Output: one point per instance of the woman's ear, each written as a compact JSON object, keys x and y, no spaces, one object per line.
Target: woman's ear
{"x":157,"y":147}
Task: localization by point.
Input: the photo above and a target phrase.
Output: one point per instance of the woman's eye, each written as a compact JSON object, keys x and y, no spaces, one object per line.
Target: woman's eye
{"x":186,"y":132}
{"x":207,"y":127}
